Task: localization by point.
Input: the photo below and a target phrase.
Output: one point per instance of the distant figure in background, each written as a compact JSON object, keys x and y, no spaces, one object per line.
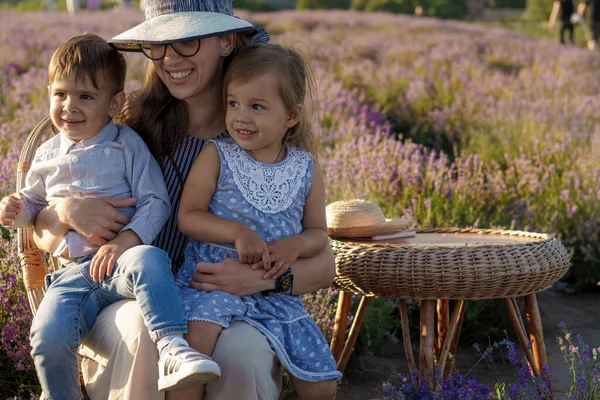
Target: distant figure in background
{"x":73,"y":6}
{"x":566,"y":9}
{"x":592,"y":9}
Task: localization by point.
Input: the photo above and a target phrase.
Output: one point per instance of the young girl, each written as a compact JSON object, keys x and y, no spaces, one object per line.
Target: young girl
{"x":259,"y":195}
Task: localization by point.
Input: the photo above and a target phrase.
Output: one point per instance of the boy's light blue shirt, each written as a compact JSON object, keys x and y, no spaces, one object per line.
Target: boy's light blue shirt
{"x":114,"y":163}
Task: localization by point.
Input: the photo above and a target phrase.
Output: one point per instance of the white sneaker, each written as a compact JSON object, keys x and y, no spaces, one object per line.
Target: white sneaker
{"x":181,"y":367}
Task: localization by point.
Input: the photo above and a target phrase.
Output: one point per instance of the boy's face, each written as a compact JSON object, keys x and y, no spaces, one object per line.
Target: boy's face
{"x":78,"y":109}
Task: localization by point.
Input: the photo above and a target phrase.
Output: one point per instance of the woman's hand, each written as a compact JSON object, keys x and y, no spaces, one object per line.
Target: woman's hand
{"x":95,"y":218}
{"x":230,"y":276}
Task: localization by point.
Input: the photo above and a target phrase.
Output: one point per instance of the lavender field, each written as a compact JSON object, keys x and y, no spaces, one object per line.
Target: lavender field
{"x":452,"y":124}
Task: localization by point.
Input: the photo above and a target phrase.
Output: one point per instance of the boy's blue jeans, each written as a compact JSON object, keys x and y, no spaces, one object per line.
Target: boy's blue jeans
{"x":73,"y":300}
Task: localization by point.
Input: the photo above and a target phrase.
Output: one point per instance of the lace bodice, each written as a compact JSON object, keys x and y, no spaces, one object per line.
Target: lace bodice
{"x":270,"y":188}
{"x":269,"y":198}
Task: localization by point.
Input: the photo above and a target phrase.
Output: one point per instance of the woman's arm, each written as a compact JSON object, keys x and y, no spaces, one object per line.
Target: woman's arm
{"x":231,"y":276}
{"x":95,"y":218}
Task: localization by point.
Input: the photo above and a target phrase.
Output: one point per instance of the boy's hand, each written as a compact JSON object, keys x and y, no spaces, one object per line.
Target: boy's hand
{"x":104,"y":260}
{"x":252,"y":249}
{"x":10,"y":207}
{"x":284,"y":253}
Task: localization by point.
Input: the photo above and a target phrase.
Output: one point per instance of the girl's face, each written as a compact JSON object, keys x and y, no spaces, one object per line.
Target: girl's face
{"x":188,"y":78}
{"x":256,"y":117}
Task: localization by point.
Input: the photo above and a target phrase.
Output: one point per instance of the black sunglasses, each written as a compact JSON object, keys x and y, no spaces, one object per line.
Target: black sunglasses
{"x":157,"y":52}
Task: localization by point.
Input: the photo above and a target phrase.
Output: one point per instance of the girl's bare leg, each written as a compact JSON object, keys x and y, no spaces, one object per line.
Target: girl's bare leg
{"x":305,"y":390}
{"x":202,"y":336}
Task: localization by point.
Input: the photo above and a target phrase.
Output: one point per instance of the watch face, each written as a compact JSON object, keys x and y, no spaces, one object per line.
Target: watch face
{"x":286,"y":283}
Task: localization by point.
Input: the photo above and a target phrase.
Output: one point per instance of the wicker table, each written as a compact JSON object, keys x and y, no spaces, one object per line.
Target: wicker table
{"x":439,"y":265}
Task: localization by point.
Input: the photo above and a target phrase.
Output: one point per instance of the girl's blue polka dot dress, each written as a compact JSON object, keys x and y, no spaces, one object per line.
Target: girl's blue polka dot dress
{"x":270,"y":199}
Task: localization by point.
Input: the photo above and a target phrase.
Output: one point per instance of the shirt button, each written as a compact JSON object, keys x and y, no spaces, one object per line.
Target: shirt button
{"x":107,"y":151}
{"x":76,"y":194}
{"x":75,"y":159}
{"x":77,"y":183}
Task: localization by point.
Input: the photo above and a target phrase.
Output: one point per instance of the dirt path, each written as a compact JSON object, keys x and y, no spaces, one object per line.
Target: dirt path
{"x":581,"y":312}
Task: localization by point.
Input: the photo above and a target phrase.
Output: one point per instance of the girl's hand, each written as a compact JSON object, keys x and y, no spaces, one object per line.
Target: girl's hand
{"x":95,"y":218}
{"x":284,"y":253}
{"x":10,"y":207}
{"x":252,"y":249}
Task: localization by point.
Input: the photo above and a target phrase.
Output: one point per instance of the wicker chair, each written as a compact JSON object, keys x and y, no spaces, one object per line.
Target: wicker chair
{"x":33,"y":260}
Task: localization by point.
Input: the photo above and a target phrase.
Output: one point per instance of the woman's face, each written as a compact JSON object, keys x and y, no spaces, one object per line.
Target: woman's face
{"x":188,"y":78}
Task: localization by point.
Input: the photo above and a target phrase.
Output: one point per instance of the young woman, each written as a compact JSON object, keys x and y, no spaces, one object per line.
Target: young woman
{"x":179,"y":107}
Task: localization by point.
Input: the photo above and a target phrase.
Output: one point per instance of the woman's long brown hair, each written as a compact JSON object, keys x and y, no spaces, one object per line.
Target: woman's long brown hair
{"x":158,"y":117}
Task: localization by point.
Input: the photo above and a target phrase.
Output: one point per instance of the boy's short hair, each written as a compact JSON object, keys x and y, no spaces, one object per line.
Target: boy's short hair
{"x":89,"y":55}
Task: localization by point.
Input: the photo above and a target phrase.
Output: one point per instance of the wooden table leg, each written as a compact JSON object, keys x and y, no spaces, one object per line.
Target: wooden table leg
{"x":536,"y":334}
{"x":443,"y":320}
{"x":517,"y":321}
{"x":340,"y":324}
{"x":354,"y":331}
{"x":427,"y":340}
{"x":447,"y":355}
{"x":408,"y":350}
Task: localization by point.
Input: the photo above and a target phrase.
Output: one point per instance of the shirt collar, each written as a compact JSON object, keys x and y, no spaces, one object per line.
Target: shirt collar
{"x":107,"y":134}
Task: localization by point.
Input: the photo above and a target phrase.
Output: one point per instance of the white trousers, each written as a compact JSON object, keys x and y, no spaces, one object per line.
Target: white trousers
{"x":121,"y":362}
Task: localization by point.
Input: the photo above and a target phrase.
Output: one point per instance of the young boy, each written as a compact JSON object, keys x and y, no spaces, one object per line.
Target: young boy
{"x":91,"y":156}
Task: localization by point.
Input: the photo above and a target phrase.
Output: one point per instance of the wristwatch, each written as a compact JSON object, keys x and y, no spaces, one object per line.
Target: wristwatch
{"x":283,"y":284}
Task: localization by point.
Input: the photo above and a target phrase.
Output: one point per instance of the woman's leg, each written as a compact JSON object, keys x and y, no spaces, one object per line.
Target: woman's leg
{"x":250,"y":369}
{"x":119,"y":360}
{"x":144,"y":273}
{"x":322,"y":390}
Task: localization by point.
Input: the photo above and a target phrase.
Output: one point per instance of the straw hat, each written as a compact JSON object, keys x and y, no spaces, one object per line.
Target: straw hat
{"x":170,"y":21}
{"x":360,"y":218}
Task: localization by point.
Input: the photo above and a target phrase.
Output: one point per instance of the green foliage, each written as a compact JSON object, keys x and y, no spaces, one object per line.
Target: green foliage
{"x":61,"y":5}
{"x":518,"y":4}
{"x":322,"y":4}
{"x":450,"y":9}
{"x":253,"y":5}
{"x":381,"y":321}
{"x":5,"y":233}
{"x":539,"y":10}
{"x":358,"y":5}
{"x":483,"y":319}
{"x":447,"y":9}
{"x":395,"y":6}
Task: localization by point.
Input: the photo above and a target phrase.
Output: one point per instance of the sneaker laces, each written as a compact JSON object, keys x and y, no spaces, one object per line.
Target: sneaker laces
{"x":180,"y":349}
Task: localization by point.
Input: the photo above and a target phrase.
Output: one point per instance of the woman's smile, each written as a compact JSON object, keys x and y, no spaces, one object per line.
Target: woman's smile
{"x":180,"y":75}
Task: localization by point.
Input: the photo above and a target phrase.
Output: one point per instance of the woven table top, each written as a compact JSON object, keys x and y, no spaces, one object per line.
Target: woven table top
{"x":468,"y":264}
